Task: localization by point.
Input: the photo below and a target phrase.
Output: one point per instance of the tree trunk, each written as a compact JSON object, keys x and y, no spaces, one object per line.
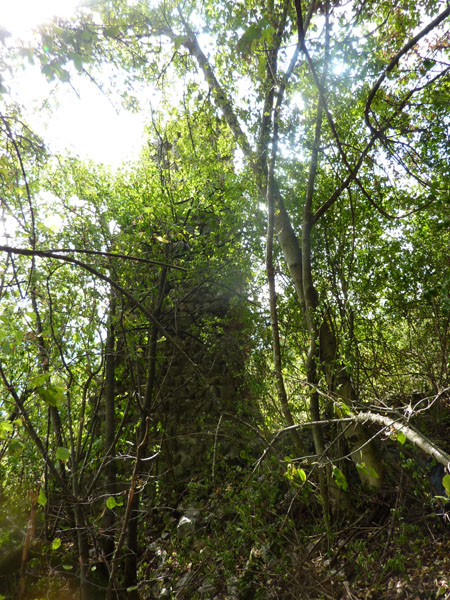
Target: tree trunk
{"x":130,"y":574}
{"x":109,"y":432}
{"x":294,"y":256}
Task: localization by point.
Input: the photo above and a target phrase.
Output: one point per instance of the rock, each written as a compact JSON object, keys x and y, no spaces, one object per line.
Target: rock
{"x":160,"y":553}
{"x":185,"y":527}
{"x":233,"y":588}
{"x":206,"y":590}
{"x":184,"y":581}
{"x":188,"y":523}
{"x":192,"y":513}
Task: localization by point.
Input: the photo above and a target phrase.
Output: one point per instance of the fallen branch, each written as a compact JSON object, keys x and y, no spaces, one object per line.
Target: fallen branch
{"x":410,"y":433}
{"x":397,"y":424}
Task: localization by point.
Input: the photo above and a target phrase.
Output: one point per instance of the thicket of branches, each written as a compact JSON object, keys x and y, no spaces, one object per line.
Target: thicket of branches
{"x":284,"y":237}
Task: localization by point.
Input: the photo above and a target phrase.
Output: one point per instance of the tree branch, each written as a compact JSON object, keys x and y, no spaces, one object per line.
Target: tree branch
{"x":111,"y":282}
{"x":414,"y":436}
{"x":395,"y":60}
{"x":117,"y":255}
{"x":223,"y":102}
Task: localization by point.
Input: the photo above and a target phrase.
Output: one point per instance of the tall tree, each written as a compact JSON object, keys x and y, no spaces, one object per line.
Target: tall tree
{"x":361,"y":75}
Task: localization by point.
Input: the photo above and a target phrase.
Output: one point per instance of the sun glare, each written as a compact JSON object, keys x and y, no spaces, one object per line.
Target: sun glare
{"x":20,"y":16}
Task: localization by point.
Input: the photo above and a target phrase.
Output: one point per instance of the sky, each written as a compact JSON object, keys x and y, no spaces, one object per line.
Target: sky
{"x":86,"y":123}
{"x":19,"y":16}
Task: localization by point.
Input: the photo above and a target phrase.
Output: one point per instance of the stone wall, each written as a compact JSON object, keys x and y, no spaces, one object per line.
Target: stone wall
{"x":209,"y":325}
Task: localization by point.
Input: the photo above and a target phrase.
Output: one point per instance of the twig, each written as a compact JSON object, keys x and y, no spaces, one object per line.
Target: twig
{"x":215,"y":448}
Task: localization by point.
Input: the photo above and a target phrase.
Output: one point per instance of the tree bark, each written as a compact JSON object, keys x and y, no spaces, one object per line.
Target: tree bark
{"x":414,"y":436}
{"x":109,"y":431}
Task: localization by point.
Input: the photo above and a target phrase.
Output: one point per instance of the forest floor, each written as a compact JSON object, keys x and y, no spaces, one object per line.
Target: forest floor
{"x":404,"y":559}
{"x":386,"y":553}
{"x":263,"y":538}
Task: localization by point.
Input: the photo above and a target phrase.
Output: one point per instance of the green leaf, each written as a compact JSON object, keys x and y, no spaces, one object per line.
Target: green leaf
{"x":62,"y":74}
{"x":111,"y":31}
{"x":446,"y":483}
{"x":5,"y":428}
{"x":15,"y":446}
{"x":367,"y":470}
{"x":67,"y":567}
{"x":178,"y":40}
{"x":300,"y":473}
{"x":267,"y":34}
{"x":111,"y":502}
{"x":86,"y":36}
{"x":296,"y":475}
{"x":39,"y":380}
{"x":342,"y":409}
{"x":56,"y":543}
{"x":62,"y":454}
{"x":427,"y":64}
{"x":42,"y":498}
{"x":250,"y":34}
{"x":51,"y":394}
{"x":77,"y":60}
{"x":161,"y":239}
{"x":340,"y":478}
{"x":401,"y":437}
{"x":49,"y":72}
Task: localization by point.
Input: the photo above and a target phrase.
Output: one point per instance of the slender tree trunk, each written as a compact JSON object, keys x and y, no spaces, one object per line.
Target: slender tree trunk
{"x":83,"y":549}
{"x":131,"y":585}
{"x":276,"y":347}
{"x":340,"y":386}
{"x":109,"y":432}
{"x":130,"y":572}
{"x":44,"y":359}
{"x":76,"y":513}
{"x":266,"y":174}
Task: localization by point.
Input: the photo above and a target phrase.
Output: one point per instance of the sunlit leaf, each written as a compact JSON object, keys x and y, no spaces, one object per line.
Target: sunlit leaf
{"x":446,"y":483}
{"x":339,"y":477}
{"x":42,"y":498}
{"x":111,"y":502}
{"x":367,"y":470}
{"x":401,"y":437}
{"x":51,"y":394}
{"x":56,"y":543}
{"x":62,"y":454}
{"x":5,"y":428}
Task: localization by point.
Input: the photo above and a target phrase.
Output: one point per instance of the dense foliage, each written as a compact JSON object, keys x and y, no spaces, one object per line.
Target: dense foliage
{"x":217,"y":362}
